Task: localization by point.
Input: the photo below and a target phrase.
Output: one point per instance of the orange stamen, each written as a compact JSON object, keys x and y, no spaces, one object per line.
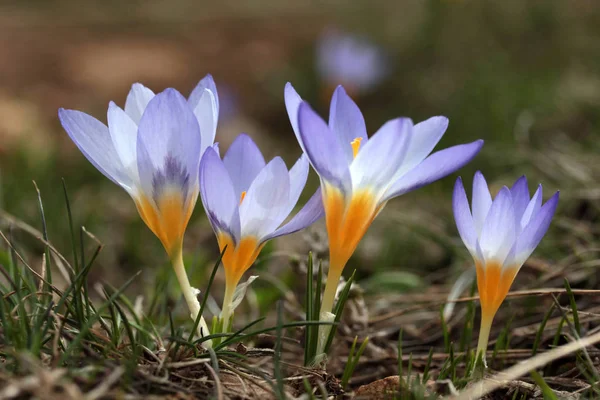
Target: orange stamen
{"x":355,"y":146}
{"x":242,"y":197}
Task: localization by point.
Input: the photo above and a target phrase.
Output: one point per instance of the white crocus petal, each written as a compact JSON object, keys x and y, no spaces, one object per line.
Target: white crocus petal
{"x":261,"y":211}
{"x":138,"y":98}
{"x":425,"y":136}
{"x":377,"y":162}
{"x":94,"y":141}
{"x":481,"y":201}
{"x":498,"y":232}
{"x":206,"y":114}
{"x":123,"y":132}
{"x":532,"y":208}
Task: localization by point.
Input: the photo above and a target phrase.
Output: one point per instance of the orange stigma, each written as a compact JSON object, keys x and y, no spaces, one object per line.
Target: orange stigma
{"x":242,"y":197}
{"x":355,"y":146}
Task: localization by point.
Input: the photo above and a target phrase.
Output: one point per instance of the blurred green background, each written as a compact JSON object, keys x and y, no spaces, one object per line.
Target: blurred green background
{"x":523,"y":76}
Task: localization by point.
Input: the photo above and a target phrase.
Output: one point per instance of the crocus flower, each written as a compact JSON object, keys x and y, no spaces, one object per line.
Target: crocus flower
{"x":500,"y":234}
{"x":359,"y":175}
{"x":246,"y":201}
{"x":152,"y":149}
{"x":350,"y":60}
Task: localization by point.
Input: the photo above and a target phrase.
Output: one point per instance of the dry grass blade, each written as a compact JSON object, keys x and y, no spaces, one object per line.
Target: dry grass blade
{"x":488,"y":385}
{"x":101,"y":390}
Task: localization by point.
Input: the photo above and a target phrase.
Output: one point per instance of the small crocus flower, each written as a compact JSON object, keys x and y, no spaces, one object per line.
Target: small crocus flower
{"x":350,"y":60}
{"x":359,"y":175}
{"x":500,"y":234}
{"x":152,"y":149}
{"x":247,"y":200}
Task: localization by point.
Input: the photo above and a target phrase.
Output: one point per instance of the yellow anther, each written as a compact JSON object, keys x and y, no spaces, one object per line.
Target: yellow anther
{"x":355,"y":146}
{"x":242,"y":196}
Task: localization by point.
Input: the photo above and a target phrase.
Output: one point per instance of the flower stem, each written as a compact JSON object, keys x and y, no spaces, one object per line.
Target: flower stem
{"x":190,"y":296}
{"x":226,"y":311}
{"x":484,"y":336}
{"x":333,"y":279}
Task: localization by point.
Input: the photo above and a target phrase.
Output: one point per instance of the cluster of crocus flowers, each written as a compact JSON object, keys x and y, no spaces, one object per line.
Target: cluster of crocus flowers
{"x":360,"y":174}
{"x":152,"y":149}
{"x":247,"y":200}
{"x":500,"y":234}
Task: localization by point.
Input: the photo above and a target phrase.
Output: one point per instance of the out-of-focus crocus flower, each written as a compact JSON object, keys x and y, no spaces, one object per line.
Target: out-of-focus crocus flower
{"x":500,"y":234}
{"x":246,"y":201}
{"x":152,"y":149}
{"x":360,"y":174}
{"x":350,"y":60}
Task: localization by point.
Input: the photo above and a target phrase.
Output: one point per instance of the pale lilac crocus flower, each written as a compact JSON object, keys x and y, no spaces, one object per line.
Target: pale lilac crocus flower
{"x":359,"y":175}
{"x":152,"y":149}
{"x":350,"y":60}
{"x":500,"y":234}
{"x":247,"y":201}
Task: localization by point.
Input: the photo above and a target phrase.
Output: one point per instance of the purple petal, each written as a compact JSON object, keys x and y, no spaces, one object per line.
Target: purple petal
{"x":532,"y":208}
{"x":498,"y":233}
{"x":168,"y":144}
{"x":207,"y":114}
{"x":323,"y":149}
{"x":482,"y":201}
{"x":434,"y":167}
{"x":535,"y":231}
{"x":425,"y":136}
{"x":243,"y":161}
{"x":218,"y":196}
{"x":463,"y":217}
{"x":346,"y":121}
{"x":206,"y":83}
{"x":520,"y":196}
{"x":94,"y":141}
{"x":292,"y":104}
{"x":266,"y":202}
{"x":298,"y":175}
{"x":123,"y":131}
{"x":311,"y":212}
{"x":138,"y":98}
{"x":378,"y":161}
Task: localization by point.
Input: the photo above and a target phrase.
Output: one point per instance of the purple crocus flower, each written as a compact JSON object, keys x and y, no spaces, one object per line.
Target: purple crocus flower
{"x":359,"y":175}
{"x":247,"y":200}
{"x":152,"y":149}
{"x":500,"y":234}
{"x":350,"y":60}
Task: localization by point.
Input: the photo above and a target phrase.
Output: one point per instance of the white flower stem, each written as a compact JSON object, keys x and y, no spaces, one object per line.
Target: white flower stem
{"x":333,"y":279}
{"x":484,"y":336}
{"x":227,"y":309}
{"x":190,"y":296}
